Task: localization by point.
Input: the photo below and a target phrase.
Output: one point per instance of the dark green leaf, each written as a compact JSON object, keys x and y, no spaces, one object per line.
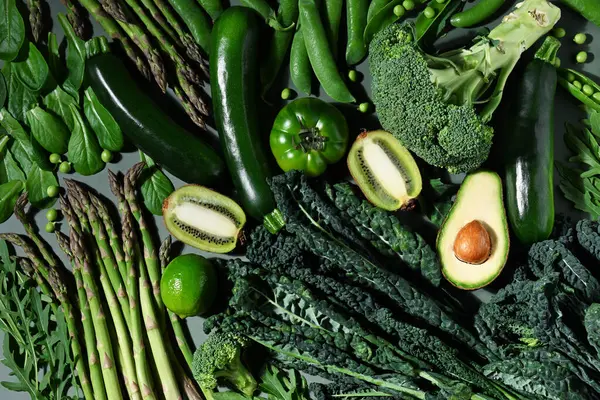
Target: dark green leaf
{"x":75,"y":56}
{"x":21,"y":157}
{"x":12,"y":30}
{"x":156,"y":186}
{"x":38,"y":181}
{"x":48,"y":130}
{"x":282,"y":385}
{"x":29,"y":145}
{"x":592,"y":326}
{"x":32,"y":70}
{"x":59,"y":101}
{"x":9,"y":192}
{"x":57,"y":69}
{"x":10,"y":169}
{"x":84,"y":150}
{"x":2,"y":90}
{"x":584,"y":145}
{"x":102,"y":122}
{"x":20,"y":98}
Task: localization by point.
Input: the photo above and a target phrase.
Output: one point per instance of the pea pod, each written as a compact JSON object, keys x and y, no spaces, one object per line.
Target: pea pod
{"x":300,"y":70}
{"x":567,"y":79}
{"x":196,"y":19}
{"x":477,"y":14}
{"x":267,"y":13}
{"x":375,"y":7}
{"x":356,"y":11}
{"x":319,"y":53}
{"x":427,"y":30}
{"x":213,"y":8}
{"x":331,"y":20}
{"x":381,"y":19}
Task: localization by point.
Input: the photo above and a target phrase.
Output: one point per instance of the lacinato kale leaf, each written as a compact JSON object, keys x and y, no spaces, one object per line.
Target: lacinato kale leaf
{"x":592,"y":326}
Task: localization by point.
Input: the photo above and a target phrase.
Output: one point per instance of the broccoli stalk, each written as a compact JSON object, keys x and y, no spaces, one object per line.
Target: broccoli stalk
{"x":219,"y":359}
{"x":438,"y":106}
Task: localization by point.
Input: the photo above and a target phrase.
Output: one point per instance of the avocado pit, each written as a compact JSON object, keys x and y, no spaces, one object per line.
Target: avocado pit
{"x":473,"y":244}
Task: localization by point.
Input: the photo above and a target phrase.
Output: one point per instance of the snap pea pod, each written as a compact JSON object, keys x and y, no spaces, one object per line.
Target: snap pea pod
{"x":587,"y":8}
{"x":331,"y":20}
{"x":267,"y":13}
{"x":375,"y":7}
{"x":197,"y":21}
{"x":427,"y":30}
{"x":384,"y":17}
{"x":301,"y":72}
{"x":213,"y":8}
{"x":477,"y":14}
{"x":280,"y":44}
{"x":356,"y":14}
{"x":574,"y":82}
{"x":319,"y":53}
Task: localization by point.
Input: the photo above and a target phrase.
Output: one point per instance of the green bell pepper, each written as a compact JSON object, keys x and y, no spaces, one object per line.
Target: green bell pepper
{"x":309,"y":134}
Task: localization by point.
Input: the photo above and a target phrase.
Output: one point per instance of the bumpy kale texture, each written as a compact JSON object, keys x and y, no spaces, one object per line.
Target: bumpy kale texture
{"x":411,"y":107}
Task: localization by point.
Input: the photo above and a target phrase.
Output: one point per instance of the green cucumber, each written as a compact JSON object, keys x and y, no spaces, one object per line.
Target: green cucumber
{"x":529,"y":163}
{"x":151,"y":130}
{"x":234,"y":82}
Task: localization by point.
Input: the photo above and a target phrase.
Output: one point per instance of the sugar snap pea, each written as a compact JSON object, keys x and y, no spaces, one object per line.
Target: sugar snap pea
{"x":574,"y":82}
{"x":375,"y":7}
{"x":428,"y":29}
{"x":356,"y":14}
{"x":477,"y":14}
{"x":196,"y":19}
{"x":267,"y":13}
{"x":333,"y":16}
{"x":300,"y":70}
{"x":213,"y":8}
{"x":381,"y":19}
{"x":319,"y":53}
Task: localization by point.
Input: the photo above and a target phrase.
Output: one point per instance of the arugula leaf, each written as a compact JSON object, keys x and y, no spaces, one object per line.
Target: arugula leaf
{"x":20,"y":98}
{"x":84,"y":150}
{"x":37,"y":184}
{"x":75,"y":58}
{"x":33,"y":70}
{"x":9,"y":192}
{"x":12,"y":30}
{"x":58,"y":101}
{"x":156,"y":186}
{"x":102,"y":122}
{"x":279,"y":385}
{"x":2,"y":90}
{"x":50,"y":132}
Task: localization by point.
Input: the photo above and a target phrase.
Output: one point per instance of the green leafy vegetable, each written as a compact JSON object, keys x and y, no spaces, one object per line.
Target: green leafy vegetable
{"x":84,"y":150}
{"x":282,"y":385}
{"x":20,"y":98}
{"x":9,"y":192}
{"x":102,"y":122}
{"x":2,"y":90}
{"x":156,"y":186}
{"x":592,"y":326}
{"x":12,"y":30}
{"x":76,"y":54}
{"x":37,"y":185}
{"x":58,"y":101}
{"x":57,"y":68}
{"x":49,"y":131}
{"x":32,"y":70}
{"x":10,"y":169}
{"x":29,"y":146}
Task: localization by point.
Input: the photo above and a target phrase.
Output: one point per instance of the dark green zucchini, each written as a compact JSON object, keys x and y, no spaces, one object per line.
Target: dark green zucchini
{"x":234,"y":79}
{"x":529,"y":166}
{"x":151,"y":130}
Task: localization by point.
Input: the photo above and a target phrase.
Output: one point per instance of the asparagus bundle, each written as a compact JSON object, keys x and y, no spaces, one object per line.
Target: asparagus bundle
{"x":116,"y":310}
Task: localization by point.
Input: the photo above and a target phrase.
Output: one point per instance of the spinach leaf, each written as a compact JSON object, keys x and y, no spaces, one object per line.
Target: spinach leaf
{"x":156,"y":186}
{"x":588,"y":8}
{"x":103,"y":124}
{"x":48,"y":130}
{"x":20,"y":98}
{"x":37,"y":184}
{"x":12,"y":30}
{"x":2,"y":90}
{"x":30,"y":146}
{"x":21,"y":157}
{"x":75,"y":58}
{"x":84,"y":150}
{"x":57,"y":68}
{"x":10,"y":169}
{"x":31,"y":69}
{"x":9,"y":192}
{"x":58,"y":101}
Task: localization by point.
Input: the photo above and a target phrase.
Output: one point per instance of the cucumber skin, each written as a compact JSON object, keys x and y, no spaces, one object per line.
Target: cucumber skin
{"x":529,"y":169}
{"x":234,"y":79}
{"x":151,"y":130}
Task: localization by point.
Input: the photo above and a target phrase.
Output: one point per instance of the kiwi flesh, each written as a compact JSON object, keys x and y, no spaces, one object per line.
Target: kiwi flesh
{"x":384,"y":170}
{"x":203,"y":218}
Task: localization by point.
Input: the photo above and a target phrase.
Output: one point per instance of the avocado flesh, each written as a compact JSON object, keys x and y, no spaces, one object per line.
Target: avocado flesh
{"x":479,"y":199}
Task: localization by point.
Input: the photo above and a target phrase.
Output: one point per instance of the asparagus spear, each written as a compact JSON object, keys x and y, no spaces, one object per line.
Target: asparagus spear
{"x":191,"y":111}
{"x":77,"y":19}
{"x":104,"y":343}
{"x":87,"y":322}
{"x":55,"y":282}
{"x":124,"y":343}
{"x":36,"y":18}
{"x":180,"y":337}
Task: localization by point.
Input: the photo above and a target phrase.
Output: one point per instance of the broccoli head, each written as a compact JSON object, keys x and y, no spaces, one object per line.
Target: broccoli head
{"x":219,"y":359}
{"x":438,"y":106}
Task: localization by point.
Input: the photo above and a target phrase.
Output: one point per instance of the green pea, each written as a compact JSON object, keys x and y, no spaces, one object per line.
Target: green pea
{"x":286,"y":93}
{"x":581,"y":57}
{"x":580,"y":38}
{"x":106,"y":156}
{"x":353,"y":75}
{"x":50,"y":228}
{"x":54,"y":158}
{"x":52,"y":215}
{"x":596,"y":96}
{"x":65,"y":167}
{"x":577,"y":84}
{"x":363,"y":107}
{"x":587,"y":90}
{"x":408,"y":5}
{"x":570,"y":77}
{"x":399,"y":10}
{"x":429,"y":12}
{"x":559,"y":32}
{"x":52,"y":191}
{"x":557,"y":62}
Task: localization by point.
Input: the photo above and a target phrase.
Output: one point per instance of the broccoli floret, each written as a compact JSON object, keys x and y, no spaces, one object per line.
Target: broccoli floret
{"x":219,"y":359}
{"x":438,"y":106}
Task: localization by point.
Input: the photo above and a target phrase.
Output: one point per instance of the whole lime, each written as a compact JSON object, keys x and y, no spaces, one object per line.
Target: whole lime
{"x":188,"y":286}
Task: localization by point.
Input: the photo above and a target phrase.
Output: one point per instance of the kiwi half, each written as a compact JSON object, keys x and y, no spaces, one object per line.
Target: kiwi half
{"x":203,"y":218}
{"x":384,"y":170}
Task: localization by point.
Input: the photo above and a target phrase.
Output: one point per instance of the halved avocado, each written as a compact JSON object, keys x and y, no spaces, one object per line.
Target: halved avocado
{"x":473,"y":242}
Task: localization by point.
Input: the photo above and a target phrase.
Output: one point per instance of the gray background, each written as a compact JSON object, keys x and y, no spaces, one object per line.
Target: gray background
{"x":566,"y":110}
